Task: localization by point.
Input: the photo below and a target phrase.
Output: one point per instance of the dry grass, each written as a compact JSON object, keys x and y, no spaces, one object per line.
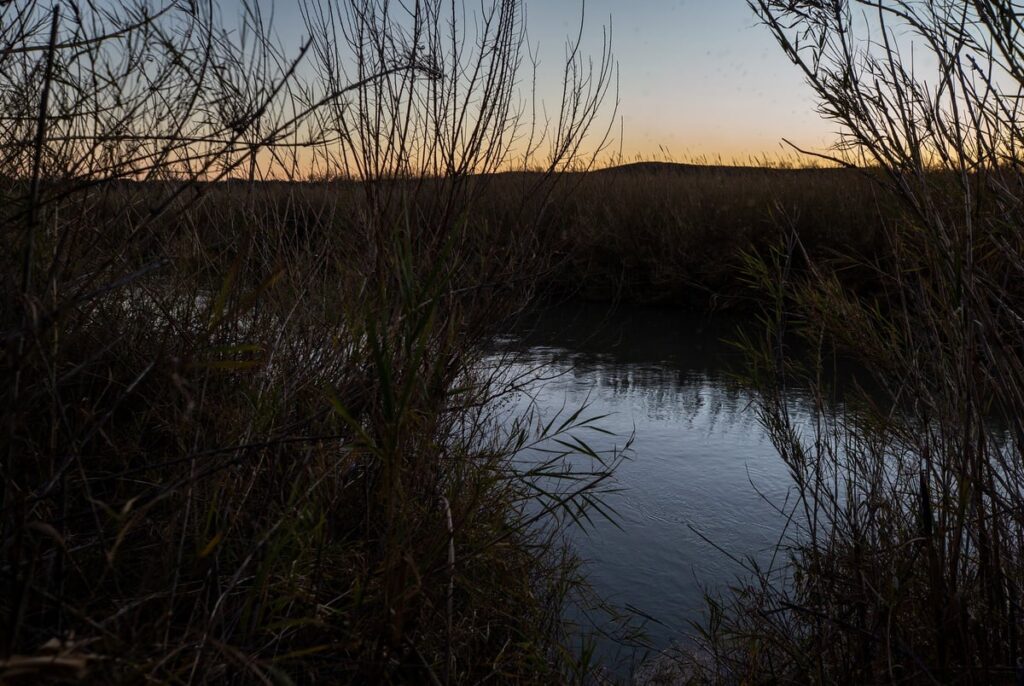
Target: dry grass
{"x":680,"y":234}
{"x":245,"y":435}
{"x":904,"y":564}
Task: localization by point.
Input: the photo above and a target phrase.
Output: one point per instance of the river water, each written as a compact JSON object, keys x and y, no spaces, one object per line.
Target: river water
{"x":702,"y":482}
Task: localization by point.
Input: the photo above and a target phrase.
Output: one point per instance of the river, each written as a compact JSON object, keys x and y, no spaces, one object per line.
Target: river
{"x":701,"y":483}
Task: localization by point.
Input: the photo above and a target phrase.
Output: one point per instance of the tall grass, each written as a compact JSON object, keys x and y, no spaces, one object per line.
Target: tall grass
{"x":242,"y":428}
{"x":679,"y":234}
{"x":906,"y":553}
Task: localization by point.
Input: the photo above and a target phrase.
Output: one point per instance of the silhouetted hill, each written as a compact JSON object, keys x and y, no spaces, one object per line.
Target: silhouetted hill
{"x":681,"y":169}
{"x":655,"y":168}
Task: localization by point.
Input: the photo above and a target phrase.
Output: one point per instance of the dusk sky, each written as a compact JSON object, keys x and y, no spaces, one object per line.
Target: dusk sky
{"x":698,"y":78}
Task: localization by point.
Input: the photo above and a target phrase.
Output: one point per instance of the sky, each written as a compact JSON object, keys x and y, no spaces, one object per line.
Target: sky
{"x":698,"y":78}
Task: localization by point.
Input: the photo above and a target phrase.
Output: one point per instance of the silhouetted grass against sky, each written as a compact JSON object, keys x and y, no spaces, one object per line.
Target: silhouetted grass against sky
{"x":698,"y":78}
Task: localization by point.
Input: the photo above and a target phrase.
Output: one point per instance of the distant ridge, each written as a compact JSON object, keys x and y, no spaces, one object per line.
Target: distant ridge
{"x":655,"y":168}
{"x":681,"y":168}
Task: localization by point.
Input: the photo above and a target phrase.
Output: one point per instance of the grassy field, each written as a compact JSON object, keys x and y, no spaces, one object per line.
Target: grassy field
{"x":665,"y":233}
{"x":681,"y":234}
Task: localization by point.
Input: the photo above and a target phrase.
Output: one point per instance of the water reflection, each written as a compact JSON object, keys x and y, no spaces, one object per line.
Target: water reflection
{"x":700,"y":462}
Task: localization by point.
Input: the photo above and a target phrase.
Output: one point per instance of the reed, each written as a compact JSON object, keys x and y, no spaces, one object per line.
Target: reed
{"x":246,"y":437}
{"x":903,"y":563}
{"x":679,"y":234}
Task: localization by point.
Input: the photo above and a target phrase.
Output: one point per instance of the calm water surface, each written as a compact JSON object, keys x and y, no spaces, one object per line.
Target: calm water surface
{"x":700,"y":461}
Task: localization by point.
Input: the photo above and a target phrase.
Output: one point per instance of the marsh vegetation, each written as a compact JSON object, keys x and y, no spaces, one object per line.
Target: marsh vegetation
{"x":244,"y":436}
{"x":906,"y":563}
{"x":253,"y":429}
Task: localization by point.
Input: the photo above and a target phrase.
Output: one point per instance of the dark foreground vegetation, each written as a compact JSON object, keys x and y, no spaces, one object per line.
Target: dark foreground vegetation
{"x":905,"y":560}
{"x":245,"y":437}
{"x":246,"y":434}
